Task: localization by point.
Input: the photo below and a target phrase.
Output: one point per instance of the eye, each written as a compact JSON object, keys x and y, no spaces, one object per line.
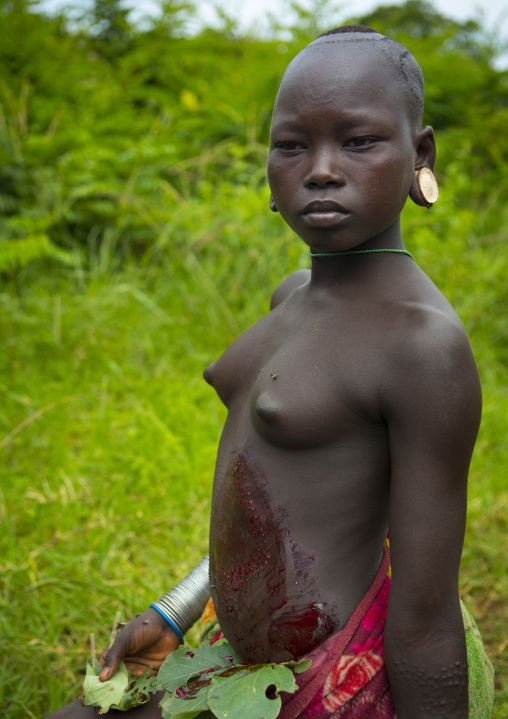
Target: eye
{"x":362,"y":141}
{"x":289,"y":146}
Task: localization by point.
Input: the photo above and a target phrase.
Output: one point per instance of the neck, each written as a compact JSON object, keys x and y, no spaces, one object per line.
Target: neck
{"x":358,"y":263}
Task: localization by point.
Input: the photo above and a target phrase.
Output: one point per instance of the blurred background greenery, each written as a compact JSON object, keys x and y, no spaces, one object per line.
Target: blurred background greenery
{"x":135,"y":243}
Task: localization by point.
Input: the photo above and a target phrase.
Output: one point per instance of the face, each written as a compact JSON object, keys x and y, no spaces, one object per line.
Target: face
{"x":343,"y":147}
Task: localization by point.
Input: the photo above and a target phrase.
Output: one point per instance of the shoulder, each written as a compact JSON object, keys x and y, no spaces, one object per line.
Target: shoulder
{"x":430,"y":365}
{"x":291,"y":283}
{"x":428,"y":337}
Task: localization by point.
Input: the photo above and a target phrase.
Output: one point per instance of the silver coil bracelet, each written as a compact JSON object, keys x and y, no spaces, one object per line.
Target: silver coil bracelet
{"x":184,"y":604}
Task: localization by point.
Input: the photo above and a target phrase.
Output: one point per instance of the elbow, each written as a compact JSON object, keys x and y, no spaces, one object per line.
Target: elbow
{"x":426,"y":619}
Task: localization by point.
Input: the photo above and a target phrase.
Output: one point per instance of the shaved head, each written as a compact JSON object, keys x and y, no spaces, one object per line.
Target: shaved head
{"x":406,"y":70}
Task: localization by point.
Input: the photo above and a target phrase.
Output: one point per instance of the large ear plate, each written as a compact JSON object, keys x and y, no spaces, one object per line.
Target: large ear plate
{"x":424,"y":190}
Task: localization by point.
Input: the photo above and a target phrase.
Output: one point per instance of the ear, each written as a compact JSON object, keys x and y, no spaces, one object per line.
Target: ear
{"x":424,"y":194}
{"x":425,"y":149}
{"x":273,"y":206}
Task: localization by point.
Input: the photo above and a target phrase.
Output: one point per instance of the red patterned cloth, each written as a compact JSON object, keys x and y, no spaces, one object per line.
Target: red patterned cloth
{"x":348,"y":679}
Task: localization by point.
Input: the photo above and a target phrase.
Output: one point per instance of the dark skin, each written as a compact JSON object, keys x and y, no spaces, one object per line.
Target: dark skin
{"x":353,"y":407}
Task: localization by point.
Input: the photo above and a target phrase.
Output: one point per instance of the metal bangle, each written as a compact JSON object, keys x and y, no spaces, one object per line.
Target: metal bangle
{"x":185,"y":603}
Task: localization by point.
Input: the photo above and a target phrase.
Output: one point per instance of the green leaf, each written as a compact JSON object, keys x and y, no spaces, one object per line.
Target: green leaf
{"x":139,"y":691}
{"x":120,"y":692}
{"x":299,"y":667}
{"x":207,"y":714}
{"x":194,"y":701}
{"x":226,"y":688}
{"x":93,"y":667}
{"x":243,"y":693}
{"x":182,"y":664}
{"x":104,"y":694}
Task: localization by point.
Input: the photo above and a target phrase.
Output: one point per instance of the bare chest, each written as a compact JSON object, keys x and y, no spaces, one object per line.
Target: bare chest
{"x":299,"y":379}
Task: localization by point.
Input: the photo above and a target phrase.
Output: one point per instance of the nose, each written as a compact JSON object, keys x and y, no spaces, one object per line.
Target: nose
{"x":324,"y":170}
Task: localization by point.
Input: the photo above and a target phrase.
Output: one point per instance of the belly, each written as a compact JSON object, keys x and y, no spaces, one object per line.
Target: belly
{"x":263,"y":581}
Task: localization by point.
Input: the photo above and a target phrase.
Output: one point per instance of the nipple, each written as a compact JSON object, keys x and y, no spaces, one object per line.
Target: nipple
{"x":266,"y":408}
{"x":208,"y":374}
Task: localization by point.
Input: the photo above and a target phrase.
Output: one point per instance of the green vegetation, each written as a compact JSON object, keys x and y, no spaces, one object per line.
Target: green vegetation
{"x":136,"y":243}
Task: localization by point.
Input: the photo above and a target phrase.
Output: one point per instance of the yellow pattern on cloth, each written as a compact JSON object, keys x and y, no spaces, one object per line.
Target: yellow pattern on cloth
{"x":209,"y":625}
{"x":208,"y":615}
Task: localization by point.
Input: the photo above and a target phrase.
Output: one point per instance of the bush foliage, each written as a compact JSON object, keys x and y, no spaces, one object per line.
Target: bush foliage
{"x":103,"y":126}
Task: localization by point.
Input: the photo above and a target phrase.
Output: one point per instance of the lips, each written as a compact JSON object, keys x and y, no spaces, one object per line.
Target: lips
{"x":324,"y":213}
{"x":324,"y":206}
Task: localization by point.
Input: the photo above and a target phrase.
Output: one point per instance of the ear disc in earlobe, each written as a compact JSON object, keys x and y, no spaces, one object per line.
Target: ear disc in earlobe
{"x":424,"y":190}
{"x":273,"y":206}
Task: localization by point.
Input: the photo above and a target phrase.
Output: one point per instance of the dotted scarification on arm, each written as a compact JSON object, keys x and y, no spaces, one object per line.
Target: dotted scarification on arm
{"x":442,"y":693}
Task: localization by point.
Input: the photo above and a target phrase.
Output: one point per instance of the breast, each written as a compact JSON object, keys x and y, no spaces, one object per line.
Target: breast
{"x":236,"y":370}
{"x":294,"y":412}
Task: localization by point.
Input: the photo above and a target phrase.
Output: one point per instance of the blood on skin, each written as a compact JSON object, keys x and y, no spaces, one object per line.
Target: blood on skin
{"x":265,"y":594}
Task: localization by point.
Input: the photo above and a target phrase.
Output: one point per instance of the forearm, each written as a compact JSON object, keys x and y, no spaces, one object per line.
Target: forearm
{"x":428,"y":676}
{"x":184,"y":604}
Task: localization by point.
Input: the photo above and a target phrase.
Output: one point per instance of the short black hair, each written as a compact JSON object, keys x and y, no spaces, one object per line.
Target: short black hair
{"x":399,"y":57}
{"x":348,"y":28}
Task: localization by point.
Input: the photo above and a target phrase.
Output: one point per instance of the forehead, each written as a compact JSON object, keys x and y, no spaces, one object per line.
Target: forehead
{"x":342,"y":75}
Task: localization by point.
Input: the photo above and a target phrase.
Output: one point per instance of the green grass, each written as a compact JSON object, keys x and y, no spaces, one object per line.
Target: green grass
{"x":108,"y":433}
{"x":110,"y":455}
{"x":108,"y":437}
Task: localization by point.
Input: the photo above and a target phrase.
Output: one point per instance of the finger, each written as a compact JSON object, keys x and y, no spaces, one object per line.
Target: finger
{"x":137,"y":668}
{"x":110,"y":661}
{"x":112,"y":656}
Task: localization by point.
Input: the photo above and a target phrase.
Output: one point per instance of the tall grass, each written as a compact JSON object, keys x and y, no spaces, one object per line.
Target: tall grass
{"x":108,"y":433}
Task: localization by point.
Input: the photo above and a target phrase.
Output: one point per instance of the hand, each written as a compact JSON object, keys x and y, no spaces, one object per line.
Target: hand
{"x":143,"y":642}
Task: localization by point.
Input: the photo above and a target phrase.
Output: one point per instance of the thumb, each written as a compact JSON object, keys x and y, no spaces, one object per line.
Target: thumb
{"x":111,"y":662}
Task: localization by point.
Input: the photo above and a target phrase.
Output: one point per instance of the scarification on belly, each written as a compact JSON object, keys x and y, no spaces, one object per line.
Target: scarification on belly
{"x":266,"y":596}
{"x":235,"y":577}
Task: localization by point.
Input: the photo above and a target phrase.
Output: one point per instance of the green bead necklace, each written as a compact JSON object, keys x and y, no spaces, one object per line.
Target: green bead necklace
{"x":359,"y":252}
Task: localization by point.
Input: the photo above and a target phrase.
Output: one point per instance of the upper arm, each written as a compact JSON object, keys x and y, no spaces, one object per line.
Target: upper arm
{"x":431,"y":404}
{"x":298,"y":278}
